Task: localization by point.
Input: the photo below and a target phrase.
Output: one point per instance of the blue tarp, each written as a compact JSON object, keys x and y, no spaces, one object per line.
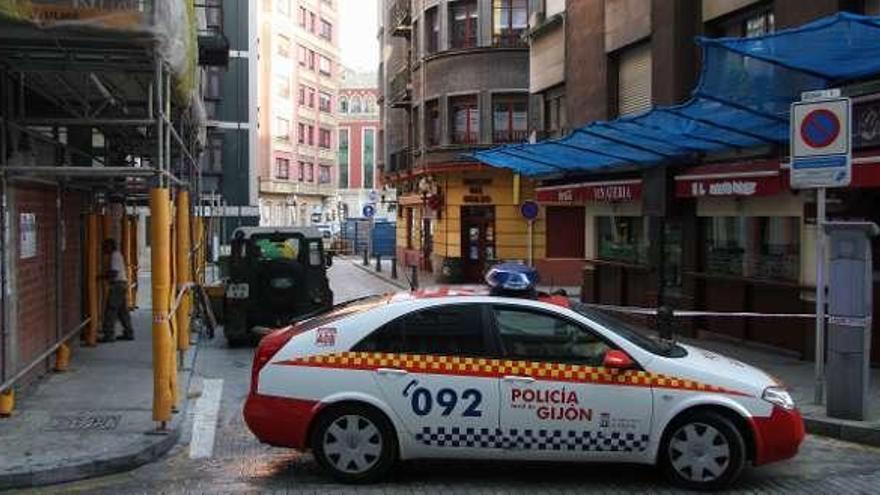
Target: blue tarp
{"x":742,"y":100}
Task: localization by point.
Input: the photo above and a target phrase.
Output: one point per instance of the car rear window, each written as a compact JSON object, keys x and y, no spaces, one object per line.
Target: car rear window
{"x":341,"y":310}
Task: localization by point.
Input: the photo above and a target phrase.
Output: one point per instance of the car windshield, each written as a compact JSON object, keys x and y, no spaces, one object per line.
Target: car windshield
{"x":275,"y":249}
{"x":636,"y":334}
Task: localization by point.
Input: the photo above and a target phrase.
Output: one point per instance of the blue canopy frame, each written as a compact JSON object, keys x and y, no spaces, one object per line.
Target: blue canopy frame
{"x":742,"y":100}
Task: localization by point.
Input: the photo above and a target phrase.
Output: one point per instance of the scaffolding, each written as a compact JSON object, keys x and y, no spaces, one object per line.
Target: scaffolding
{"x":108,"y":113}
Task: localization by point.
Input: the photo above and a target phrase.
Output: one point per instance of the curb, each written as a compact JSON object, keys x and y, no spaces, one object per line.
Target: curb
{"x":843,"y":430}
{"x":381,"y":276}
{"x":128,"y":460}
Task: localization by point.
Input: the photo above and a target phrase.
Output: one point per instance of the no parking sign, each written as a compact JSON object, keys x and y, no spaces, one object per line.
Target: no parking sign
{"x":821,"y":151}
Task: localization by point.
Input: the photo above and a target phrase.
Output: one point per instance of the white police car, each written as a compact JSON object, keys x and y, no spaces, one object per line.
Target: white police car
{"x":457,"y":373}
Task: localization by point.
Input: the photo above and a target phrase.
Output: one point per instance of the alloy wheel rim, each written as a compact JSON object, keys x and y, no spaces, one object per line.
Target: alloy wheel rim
{"x":699,"y":452}
{"x":352,"y":444}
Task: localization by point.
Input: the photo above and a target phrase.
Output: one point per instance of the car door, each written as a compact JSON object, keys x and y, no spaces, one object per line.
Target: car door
{"x":434,"y":376}
{"x":557,"y":400}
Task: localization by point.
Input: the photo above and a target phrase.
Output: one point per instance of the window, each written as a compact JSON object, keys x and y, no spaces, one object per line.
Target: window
{"x":302,"y":171}
{"x":759,"y":247}
{"x":312,"y":57}
{"x":212,"y":159}
{"x":443,"y":330}
{"x":356,"y":104}
{"x":416,"y":135}
{"x":283,"y":6}
{"x":311,"y":135}
{"x":282,"y":129}
{"x":343,"y":158}
{"x":634,"y":79}
{"x":282,"y":168}
{"x":301,"y":134}
{"x":324,"y":138}
{"x":369,"y":157}
{"x":465,"y":119}
{"x":510,"y":19}
{"x":326,"y":67}
{"x":760,"y":24}
{"x":303,"y":13}
{"x":326,"y":30}
{"x":311,"y":93}
{"x":414,"y":52}
{"x":368,"y":104}
{"x":303,"y":55}
{"x":212,"y":83}
{"x":535,"y":336}
{"x":463,"y":24}
{"x":432,"y":30}
{"x":510,"y":118}
{"x":623,"y":239}
{"x":302,"y":95}
{"x":565,"y":232}
{"x":410,"y":226}
{"x":282,"y":86}
{"x":555,"y":122}
{"x":325,"y":102}
{"x":283,"y":46}
{"x":324,"y":174}
{"x":343,"y":104}
{"x":313,"y":24}
{"x":432,"y":123}
{"x":310,"y":172}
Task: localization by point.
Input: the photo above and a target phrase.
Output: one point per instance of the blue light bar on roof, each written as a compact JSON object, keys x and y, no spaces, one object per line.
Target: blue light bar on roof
{"x":512,"y":277}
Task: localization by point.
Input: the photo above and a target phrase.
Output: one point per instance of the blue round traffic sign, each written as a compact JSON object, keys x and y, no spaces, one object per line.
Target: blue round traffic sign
{"x":369,"y":210}
{"x":529,"y":210}
{"x":820,"y":128}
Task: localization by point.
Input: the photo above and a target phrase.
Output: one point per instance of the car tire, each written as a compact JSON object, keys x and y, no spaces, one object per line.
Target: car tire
{"x":355,"y":444}
{"x":702,"y":451}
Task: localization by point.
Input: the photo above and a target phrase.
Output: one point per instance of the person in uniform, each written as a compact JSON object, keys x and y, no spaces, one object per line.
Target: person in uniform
{"x":116,"y":306}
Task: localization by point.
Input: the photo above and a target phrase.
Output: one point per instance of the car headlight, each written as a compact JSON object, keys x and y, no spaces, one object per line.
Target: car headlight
{"x":778,"y":396}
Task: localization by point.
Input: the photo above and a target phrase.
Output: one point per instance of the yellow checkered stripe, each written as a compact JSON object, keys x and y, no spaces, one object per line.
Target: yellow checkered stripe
{"x":496,"y":368}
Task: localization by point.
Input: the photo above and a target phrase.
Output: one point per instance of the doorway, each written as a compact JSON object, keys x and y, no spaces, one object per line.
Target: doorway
{"x":477,"y":240}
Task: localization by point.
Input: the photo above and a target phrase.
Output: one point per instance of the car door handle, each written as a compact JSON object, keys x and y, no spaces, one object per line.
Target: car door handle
{"x":519,"y":379}
{"x":391,"y":371}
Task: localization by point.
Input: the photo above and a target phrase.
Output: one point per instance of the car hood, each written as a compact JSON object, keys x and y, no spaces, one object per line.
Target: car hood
{"x":712,"y":368}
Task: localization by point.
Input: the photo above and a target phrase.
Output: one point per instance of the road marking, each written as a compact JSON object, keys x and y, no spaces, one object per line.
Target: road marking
{"x":207,"y":409}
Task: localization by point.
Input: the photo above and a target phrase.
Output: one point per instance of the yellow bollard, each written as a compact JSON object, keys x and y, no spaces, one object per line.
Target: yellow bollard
{"x":184,"y":269}
{"x":93,"y":258}
{"x":133,"y":260}
{"x":125,"y":249}
{"x":7,"y":403}
{"x":172,"y":297}
{"x":160,"y":228}
{"x":62,"y":358}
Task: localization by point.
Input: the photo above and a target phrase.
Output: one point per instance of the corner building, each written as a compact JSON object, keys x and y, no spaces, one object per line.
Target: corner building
{"x":454,"y":78}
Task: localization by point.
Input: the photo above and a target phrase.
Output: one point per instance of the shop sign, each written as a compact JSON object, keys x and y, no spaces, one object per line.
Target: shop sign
{"x":27,"y":234}
{"x":111,"y":14}
{"x":607,"y":192}
{"x":475,"y":193}
{"x":721,"y":187}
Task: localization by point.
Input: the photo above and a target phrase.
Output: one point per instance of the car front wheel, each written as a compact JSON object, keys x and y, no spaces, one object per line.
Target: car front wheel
{"x":355,"y":444}
{"x":703,"y":451}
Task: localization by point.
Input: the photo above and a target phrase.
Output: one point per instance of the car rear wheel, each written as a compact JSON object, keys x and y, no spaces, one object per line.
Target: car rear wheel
{"x":703,"y":451}
{"x":355,"y":444}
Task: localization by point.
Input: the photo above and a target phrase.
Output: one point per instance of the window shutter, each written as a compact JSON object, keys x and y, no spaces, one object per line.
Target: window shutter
{"x":634,"y":79}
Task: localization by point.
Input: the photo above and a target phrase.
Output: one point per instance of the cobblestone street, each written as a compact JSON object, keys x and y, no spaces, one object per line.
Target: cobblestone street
{"x":239,"y":464}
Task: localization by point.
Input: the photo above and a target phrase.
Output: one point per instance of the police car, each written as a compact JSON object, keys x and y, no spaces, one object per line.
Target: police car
{"x":459,"y":373}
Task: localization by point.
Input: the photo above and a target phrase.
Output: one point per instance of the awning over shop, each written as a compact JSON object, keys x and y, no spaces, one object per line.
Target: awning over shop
{"x":741,"y":101}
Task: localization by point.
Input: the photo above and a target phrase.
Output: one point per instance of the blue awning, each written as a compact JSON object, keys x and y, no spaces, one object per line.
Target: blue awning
{"x":741,"y":101}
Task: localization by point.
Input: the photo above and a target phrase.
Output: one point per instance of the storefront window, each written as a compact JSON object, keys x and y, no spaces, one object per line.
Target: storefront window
{"x":757,"y":247}
{"x":622,"y":239}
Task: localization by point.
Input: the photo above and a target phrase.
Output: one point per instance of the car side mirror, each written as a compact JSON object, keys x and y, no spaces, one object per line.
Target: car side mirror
{"x":618,"y":360}
{"x":328,"y":260}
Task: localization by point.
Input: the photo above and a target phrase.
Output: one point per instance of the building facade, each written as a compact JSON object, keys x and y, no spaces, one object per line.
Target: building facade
{"x":229,"y":162}
{"x":360,"y":181}
{"x":735,"y":236}
{"x":298,"y":92}
{"x":454,"y":79}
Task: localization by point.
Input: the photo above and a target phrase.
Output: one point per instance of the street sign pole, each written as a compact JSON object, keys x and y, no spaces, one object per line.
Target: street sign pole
{"x":820,"y":296}
{"x":531,"y":226}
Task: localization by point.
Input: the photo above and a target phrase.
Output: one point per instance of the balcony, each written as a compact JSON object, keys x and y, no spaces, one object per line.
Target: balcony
{"x":212,"y":42}
{"x":465,"y":137}
{"x":400,"y":89}
{"x":401,"y":19}
{"x":399,"y":161}
{"x":510,"y":136}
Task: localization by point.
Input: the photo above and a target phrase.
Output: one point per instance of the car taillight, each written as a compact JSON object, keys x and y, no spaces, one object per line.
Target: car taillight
{"x":268,"y":347}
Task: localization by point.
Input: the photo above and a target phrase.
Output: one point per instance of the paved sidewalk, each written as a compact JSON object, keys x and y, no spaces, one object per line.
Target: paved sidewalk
{"x":798,"y":375}
{"x":91,"y":420}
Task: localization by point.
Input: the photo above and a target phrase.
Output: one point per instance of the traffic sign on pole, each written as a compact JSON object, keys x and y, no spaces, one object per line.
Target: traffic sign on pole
{"x":369,"y":211}
{"x":821,"y":151}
